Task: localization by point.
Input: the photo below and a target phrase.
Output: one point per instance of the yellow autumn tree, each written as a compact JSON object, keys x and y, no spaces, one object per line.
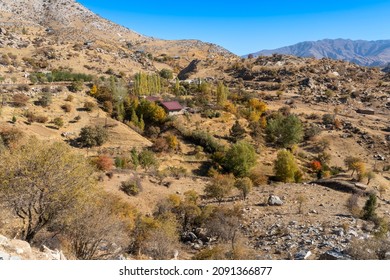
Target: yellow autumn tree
{"x":93,"y":90}
{"x":40,"y":181}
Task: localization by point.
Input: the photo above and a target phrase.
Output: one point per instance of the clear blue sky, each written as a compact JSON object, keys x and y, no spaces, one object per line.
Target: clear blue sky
{"x":244,"y":27}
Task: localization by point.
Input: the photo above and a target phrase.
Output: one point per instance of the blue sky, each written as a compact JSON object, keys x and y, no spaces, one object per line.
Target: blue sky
{"x":248,"y":26}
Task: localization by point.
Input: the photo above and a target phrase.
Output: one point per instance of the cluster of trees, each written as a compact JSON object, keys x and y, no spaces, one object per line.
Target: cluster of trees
{"x":59,"y":76}
{"x":145,"y":158}
{"x":222,"y":185}
{"x":50,"y":188}
{"x":114,"y":95}
{"x":147,"y":84}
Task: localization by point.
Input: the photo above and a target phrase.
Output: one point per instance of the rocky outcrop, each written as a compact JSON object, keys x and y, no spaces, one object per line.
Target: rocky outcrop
{"x":15,"y":249}
{"x":192,"y":68}
{"x":343,"y":186}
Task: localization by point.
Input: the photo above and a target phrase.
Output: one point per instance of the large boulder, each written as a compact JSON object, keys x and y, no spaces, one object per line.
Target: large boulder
{"x":4,"y":256}
{"x":15,"y":249}
{"x":274,"y":200}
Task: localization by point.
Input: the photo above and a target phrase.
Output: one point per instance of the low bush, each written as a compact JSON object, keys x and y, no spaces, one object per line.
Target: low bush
{"x":132,"y":186}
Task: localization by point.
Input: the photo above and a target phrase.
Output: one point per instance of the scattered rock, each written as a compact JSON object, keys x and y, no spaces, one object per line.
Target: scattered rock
{"x":302,"y":255}
{"x":334,"y":255}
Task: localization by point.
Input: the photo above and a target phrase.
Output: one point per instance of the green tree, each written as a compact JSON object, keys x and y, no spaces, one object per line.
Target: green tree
{"x":91,"y":136}
{"x":166,"y":74}
{"x":370,"y":207}
{"x":239,"y":159}
{"x":134,"y":158}
{"x":222,"y":94}
{"x":176,"y":88}
{"x":146,"y":84}
{"x":285,"y":166}
{"x":284,"y":131}
{"x":219,"y":187}
{"x":237,"y":132}
{"x":40,"y":181}
{"x":245,"y":185}
{"x":141,"y":123}
{"x":134,"y":118}
{"x":147,"y":159}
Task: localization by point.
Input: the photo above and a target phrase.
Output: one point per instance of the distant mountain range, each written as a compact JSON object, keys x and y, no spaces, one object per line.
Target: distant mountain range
{"x":365,"y":53}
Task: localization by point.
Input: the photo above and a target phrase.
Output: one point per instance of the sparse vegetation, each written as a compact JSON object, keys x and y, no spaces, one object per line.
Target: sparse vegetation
{"x":20,"y":99}
{"x":245,"y":186}
{"x":58,"y":122}
{"x":219,"y":187}
{"x":132,"y":186}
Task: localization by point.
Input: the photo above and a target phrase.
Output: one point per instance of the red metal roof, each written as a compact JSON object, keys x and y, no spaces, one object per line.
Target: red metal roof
{"x":172,"y":105}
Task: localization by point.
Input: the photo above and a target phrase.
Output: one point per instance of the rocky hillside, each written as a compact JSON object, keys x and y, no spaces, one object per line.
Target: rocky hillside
{"x":66,"y":18}
{"x":62,"y":22}
{"x":366,"y":53}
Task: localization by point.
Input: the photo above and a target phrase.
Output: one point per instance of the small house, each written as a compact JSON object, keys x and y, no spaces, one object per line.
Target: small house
{"x":172,"y":107}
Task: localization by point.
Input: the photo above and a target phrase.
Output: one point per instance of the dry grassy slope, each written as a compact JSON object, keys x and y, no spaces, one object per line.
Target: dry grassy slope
{"x":120,"y":135}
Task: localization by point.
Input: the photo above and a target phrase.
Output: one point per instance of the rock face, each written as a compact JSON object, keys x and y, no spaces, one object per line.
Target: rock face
{"x":14,"y":249}
{"x":366,"y":53}
{"x":190,"y":69}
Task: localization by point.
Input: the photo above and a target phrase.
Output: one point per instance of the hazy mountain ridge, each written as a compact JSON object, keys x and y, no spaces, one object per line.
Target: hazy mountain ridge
{"x":365,"y":53}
